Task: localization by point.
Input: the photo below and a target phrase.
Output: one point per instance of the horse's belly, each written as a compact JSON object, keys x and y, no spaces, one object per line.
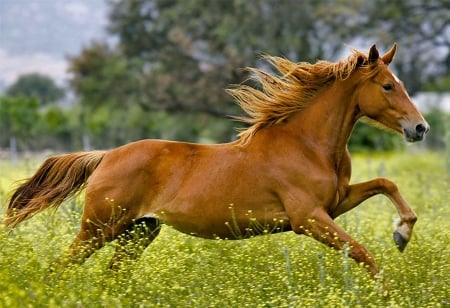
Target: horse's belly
{"x":231,"y":222}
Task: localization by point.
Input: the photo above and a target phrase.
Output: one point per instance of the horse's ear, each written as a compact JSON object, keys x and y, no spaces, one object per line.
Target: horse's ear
{"x":373,"y":54}
{"x":387,"y":58}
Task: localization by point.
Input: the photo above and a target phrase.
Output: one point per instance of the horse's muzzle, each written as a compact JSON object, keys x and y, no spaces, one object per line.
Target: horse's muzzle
{"x":417,"y":133}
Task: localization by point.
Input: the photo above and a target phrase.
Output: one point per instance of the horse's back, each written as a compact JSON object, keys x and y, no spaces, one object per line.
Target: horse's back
{"x":137,"y":167}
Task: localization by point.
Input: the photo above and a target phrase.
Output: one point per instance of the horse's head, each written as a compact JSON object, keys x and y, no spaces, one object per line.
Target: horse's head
{"x":384,"y":99}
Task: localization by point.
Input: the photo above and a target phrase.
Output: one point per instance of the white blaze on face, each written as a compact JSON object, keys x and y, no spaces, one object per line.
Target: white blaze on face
{"x":400,"y":82}
{"x":396,"y":78}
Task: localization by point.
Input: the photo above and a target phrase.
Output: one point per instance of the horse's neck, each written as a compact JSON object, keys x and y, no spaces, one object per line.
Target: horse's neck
{"x":328,"y":121}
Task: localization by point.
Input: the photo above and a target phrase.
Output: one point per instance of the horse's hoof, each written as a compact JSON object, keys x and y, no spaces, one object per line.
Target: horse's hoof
{"x":400,"y":241}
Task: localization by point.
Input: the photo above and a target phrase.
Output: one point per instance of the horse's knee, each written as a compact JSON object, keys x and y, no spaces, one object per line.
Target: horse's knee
{"x":387,"y":186}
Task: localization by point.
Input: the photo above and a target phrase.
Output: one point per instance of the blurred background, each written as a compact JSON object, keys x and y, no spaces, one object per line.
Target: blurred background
{"x":96,"y":74}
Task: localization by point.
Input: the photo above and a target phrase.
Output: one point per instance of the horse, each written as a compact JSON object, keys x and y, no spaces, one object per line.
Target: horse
{"x":288,"y":170}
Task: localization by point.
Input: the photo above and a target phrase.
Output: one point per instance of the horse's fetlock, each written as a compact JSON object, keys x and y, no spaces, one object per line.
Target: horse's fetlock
{"x":411,"y":220}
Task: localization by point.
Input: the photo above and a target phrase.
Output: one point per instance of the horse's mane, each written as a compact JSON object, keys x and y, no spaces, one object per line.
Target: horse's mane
{"x":280,"y":96}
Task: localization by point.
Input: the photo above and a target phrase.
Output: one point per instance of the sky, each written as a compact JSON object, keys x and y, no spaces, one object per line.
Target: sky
{"x":39,"y":35}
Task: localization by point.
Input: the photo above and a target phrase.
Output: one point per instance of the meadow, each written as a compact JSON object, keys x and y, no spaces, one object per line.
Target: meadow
{"x":280,"y":270}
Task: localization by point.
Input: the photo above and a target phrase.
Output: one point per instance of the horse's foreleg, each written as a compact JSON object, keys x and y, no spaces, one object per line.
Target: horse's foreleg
{"x":132,"y":243}
{"x":322,"y":227}
{"x":359,"y":192}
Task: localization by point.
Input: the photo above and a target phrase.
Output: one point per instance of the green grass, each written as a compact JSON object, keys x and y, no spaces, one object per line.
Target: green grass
{"x":282,"y":270}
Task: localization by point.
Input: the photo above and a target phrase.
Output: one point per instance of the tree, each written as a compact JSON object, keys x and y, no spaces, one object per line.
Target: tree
{"x":54,"y":129}
{"x":18,"y":115}
{"x":109,"y":87}
{"x":41,"y":87}
{"x":191,"y":50}
{"x":101,"y":76}
{"x":18,"y":118}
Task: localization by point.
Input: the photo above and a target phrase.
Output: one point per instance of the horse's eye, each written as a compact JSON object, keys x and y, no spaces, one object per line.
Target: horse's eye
{"x":388,"y":87}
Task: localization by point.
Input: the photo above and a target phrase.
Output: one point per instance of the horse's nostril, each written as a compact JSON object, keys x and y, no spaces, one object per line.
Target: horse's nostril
{"x":420,"y":128}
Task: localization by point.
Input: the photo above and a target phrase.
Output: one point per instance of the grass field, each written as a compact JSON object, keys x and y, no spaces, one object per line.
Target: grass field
{"x":283,"y":270}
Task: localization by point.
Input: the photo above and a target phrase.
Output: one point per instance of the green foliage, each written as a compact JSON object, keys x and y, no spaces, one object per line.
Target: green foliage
{"x":282,"y":270}
{"x":18,"y":116}
{"x":438,"y":121}
{"x":368,"y":138}
{"x":440,"y":85}
{"x":102,"y":77}
{"x":54,"y":130}
{"x":194,"y":49}
{"x":33,"y":127}
{"x":41,"y":87}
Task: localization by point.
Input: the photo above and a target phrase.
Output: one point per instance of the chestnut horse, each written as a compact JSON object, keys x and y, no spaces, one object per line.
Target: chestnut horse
{"x":289,"y":170}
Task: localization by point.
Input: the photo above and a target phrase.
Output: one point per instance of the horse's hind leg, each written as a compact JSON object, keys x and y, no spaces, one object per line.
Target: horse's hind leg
{"x":97,"y":228}
{"x":84,"y":245}
{"x":132,"y":243}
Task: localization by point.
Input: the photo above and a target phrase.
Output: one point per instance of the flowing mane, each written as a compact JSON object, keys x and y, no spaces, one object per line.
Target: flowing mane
{"x":281,"y":96}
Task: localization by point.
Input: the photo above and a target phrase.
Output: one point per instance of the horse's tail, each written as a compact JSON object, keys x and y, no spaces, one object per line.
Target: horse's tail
{"x":57,"y":179}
